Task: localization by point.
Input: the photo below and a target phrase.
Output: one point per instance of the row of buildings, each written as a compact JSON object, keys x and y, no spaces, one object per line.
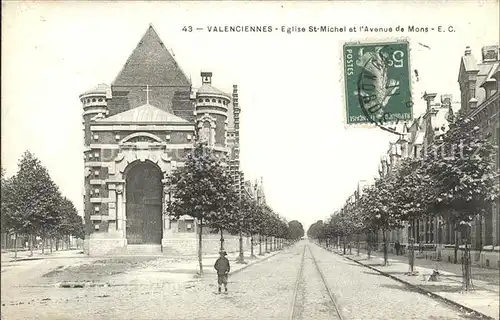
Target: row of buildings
{"x":479,"y":100}
{"x":136,"y":132}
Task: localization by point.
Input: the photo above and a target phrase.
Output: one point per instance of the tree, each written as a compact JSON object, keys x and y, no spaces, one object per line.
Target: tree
{"x":227,"y":218}
{"x":261,"y":217}
{"x":296,"y":230}
{"x":7,"y":221}
{"x":200,"y":190}
{"x":380,"y":210}
{"x":317,"y":231}
{"x":413,"y":197}
{"x":253,"y":219}
{"x":71,"y":224}
{"x":35,"y":198}
{"x":462,"y":166}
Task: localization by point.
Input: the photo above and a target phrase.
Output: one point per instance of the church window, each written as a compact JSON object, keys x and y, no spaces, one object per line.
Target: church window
{"x":93,"y":100}
{"x":142,"y":139}
{"x":96,"y":209}
{"x":117,"y":137}
{"x":219,"y":101}
{"x":100,"y":100}
{"x":96,"y":173}
{"x":206,"y":133}
{"x":200,"y":100}
{"x":96,"y":154}
{"x":213,"y":100}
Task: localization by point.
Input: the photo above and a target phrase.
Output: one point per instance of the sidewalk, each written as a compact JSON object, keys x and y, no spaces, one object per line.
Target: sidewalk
{"x":483,"y":299}
{"x":37,"y":254}
{"x":151,"y":271}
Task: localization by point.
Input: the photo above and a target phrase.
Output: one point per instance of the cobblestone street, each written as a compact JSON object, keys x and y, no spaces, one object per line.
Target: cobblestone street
{"x":261,"y":291}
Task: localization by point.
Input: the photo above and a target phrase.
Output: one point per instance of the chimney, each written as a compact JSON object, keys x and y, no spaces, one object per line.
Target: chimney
{"x":489,"y":53}
{"x":429,"y":98}
{"x":446,"y":100}
{"x":468,"y":51}
{"x":206,"y":78}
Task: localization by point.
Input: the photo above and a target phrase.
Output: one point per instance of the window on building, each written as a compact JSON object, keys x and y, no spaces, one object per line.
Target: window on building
{"x":93,"y":100}
{"x":207,"y":100}
{"x":200,"y":100}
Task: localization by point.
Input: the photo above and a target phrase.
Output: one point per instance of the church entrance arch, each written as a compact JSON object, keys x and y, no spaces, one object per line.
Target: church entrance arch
{"x":143,"y":203}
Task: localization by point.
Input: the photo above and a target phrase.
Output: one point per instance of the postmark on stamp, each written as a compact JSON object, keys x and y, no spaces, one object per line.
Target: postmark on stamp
{"x":377,"y":83}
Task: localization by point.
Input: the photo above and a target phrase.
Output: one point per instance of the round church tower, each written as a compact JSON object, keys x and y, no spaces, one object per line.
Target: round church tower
{"x":211,"y":113}
{"x":95,"y":105}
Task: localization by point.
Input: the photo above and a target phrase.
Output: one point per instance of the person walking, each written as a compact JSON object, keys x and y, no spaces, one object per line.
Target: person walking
{"x":222,"y":266}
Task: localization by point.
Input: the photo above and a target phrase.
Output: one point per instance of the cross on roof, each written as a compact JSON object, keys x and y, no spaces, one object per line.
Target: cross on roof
{"x":147,"y":93}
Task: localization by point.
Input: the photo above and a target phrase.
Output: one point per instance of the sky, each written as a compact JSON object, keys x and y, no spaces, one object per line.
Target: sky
{"x":293,"y":132}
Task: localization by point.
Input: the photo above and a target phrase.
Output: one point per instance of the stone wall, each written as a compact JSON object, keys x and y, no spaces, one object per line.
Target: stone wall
{"x":186,"y":244}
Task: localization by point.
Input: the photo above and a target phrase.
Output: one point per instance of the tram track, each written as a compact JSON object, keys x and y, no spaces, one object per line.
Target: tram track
{"x":312,"y":296}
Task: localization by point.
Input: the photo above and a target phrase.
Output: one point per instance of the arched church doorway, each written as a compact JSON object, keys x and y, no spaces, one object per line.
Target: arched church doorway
{"x":144,"y":204}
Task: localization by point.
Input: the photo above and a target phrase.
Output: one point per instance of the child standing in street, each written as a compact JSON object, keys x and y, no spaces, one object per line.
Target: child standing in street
{"x":222,"y":267}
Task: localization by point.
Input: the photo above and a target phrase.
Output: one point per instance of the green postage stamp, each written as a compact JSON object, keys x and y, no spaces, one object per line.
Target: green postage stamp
{"x":377,"y":82}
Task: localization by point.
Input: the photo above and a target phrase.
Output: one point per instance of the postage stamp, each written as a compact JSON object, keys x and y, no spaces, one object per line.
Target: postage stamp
{"x":377,"y":83}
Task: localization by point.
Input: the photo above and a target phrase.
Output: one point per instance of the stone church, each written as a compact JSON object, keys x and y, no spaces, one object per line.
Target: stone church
{"x":137,"y":130}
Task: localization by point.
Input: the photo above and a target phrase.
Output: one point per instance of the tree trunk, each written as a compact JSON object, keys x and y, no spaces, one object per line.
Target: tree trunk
{"x":369,"y":245}
{"x":357,"y":245}
{"x":251,"y":247}
{"x":57,"y":244}
{"x":455,"y":257}
{"x":260,"y":245}
{"x":411,"y":255}
{"x":50,"y":244}
{"x":43,"y":244}
{"x":31,"y":245}
{"x":466,"y":263}
{"x":241,"y":258}
{"x":265,"y":239}
{"x":5,"y":242}
{"x":384,"y":238}
{"x":15,"y":245}
{"x":221,"y":240}
{"x":344,"y":240}
{"x":200,"y":243}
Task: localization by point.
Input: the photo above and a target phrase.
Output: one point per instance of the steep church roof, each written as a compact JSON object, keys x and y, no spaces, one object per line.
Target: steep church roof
{"x":144,"y":114}
{"x":151,"y":64}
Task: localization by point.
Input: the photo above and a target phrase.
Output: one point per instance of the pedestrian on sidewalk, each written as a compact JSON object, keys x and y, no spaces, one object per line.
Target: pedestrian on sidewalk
{"x":397,"y":246}
{"x":222,"y":267}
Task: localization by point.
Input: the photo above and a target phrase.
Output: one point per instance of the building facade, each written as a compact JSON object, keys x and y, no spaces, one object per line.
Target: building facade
{"x":136,"y":132}
{"x":479,"y":100}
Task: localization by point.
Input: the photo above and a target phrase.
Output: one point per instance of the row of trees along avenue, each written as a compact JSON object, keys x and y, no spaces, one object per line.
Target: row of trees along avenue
{"x":33,"y":206}
{"x":454,"y":179}
{"x":204,"y":190}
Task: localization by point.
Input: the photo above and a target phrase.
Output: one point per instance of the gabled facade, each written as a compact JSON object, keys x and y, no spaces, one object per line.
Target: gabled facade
{"x":480,"y":85}
{"x":136,"y":132}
